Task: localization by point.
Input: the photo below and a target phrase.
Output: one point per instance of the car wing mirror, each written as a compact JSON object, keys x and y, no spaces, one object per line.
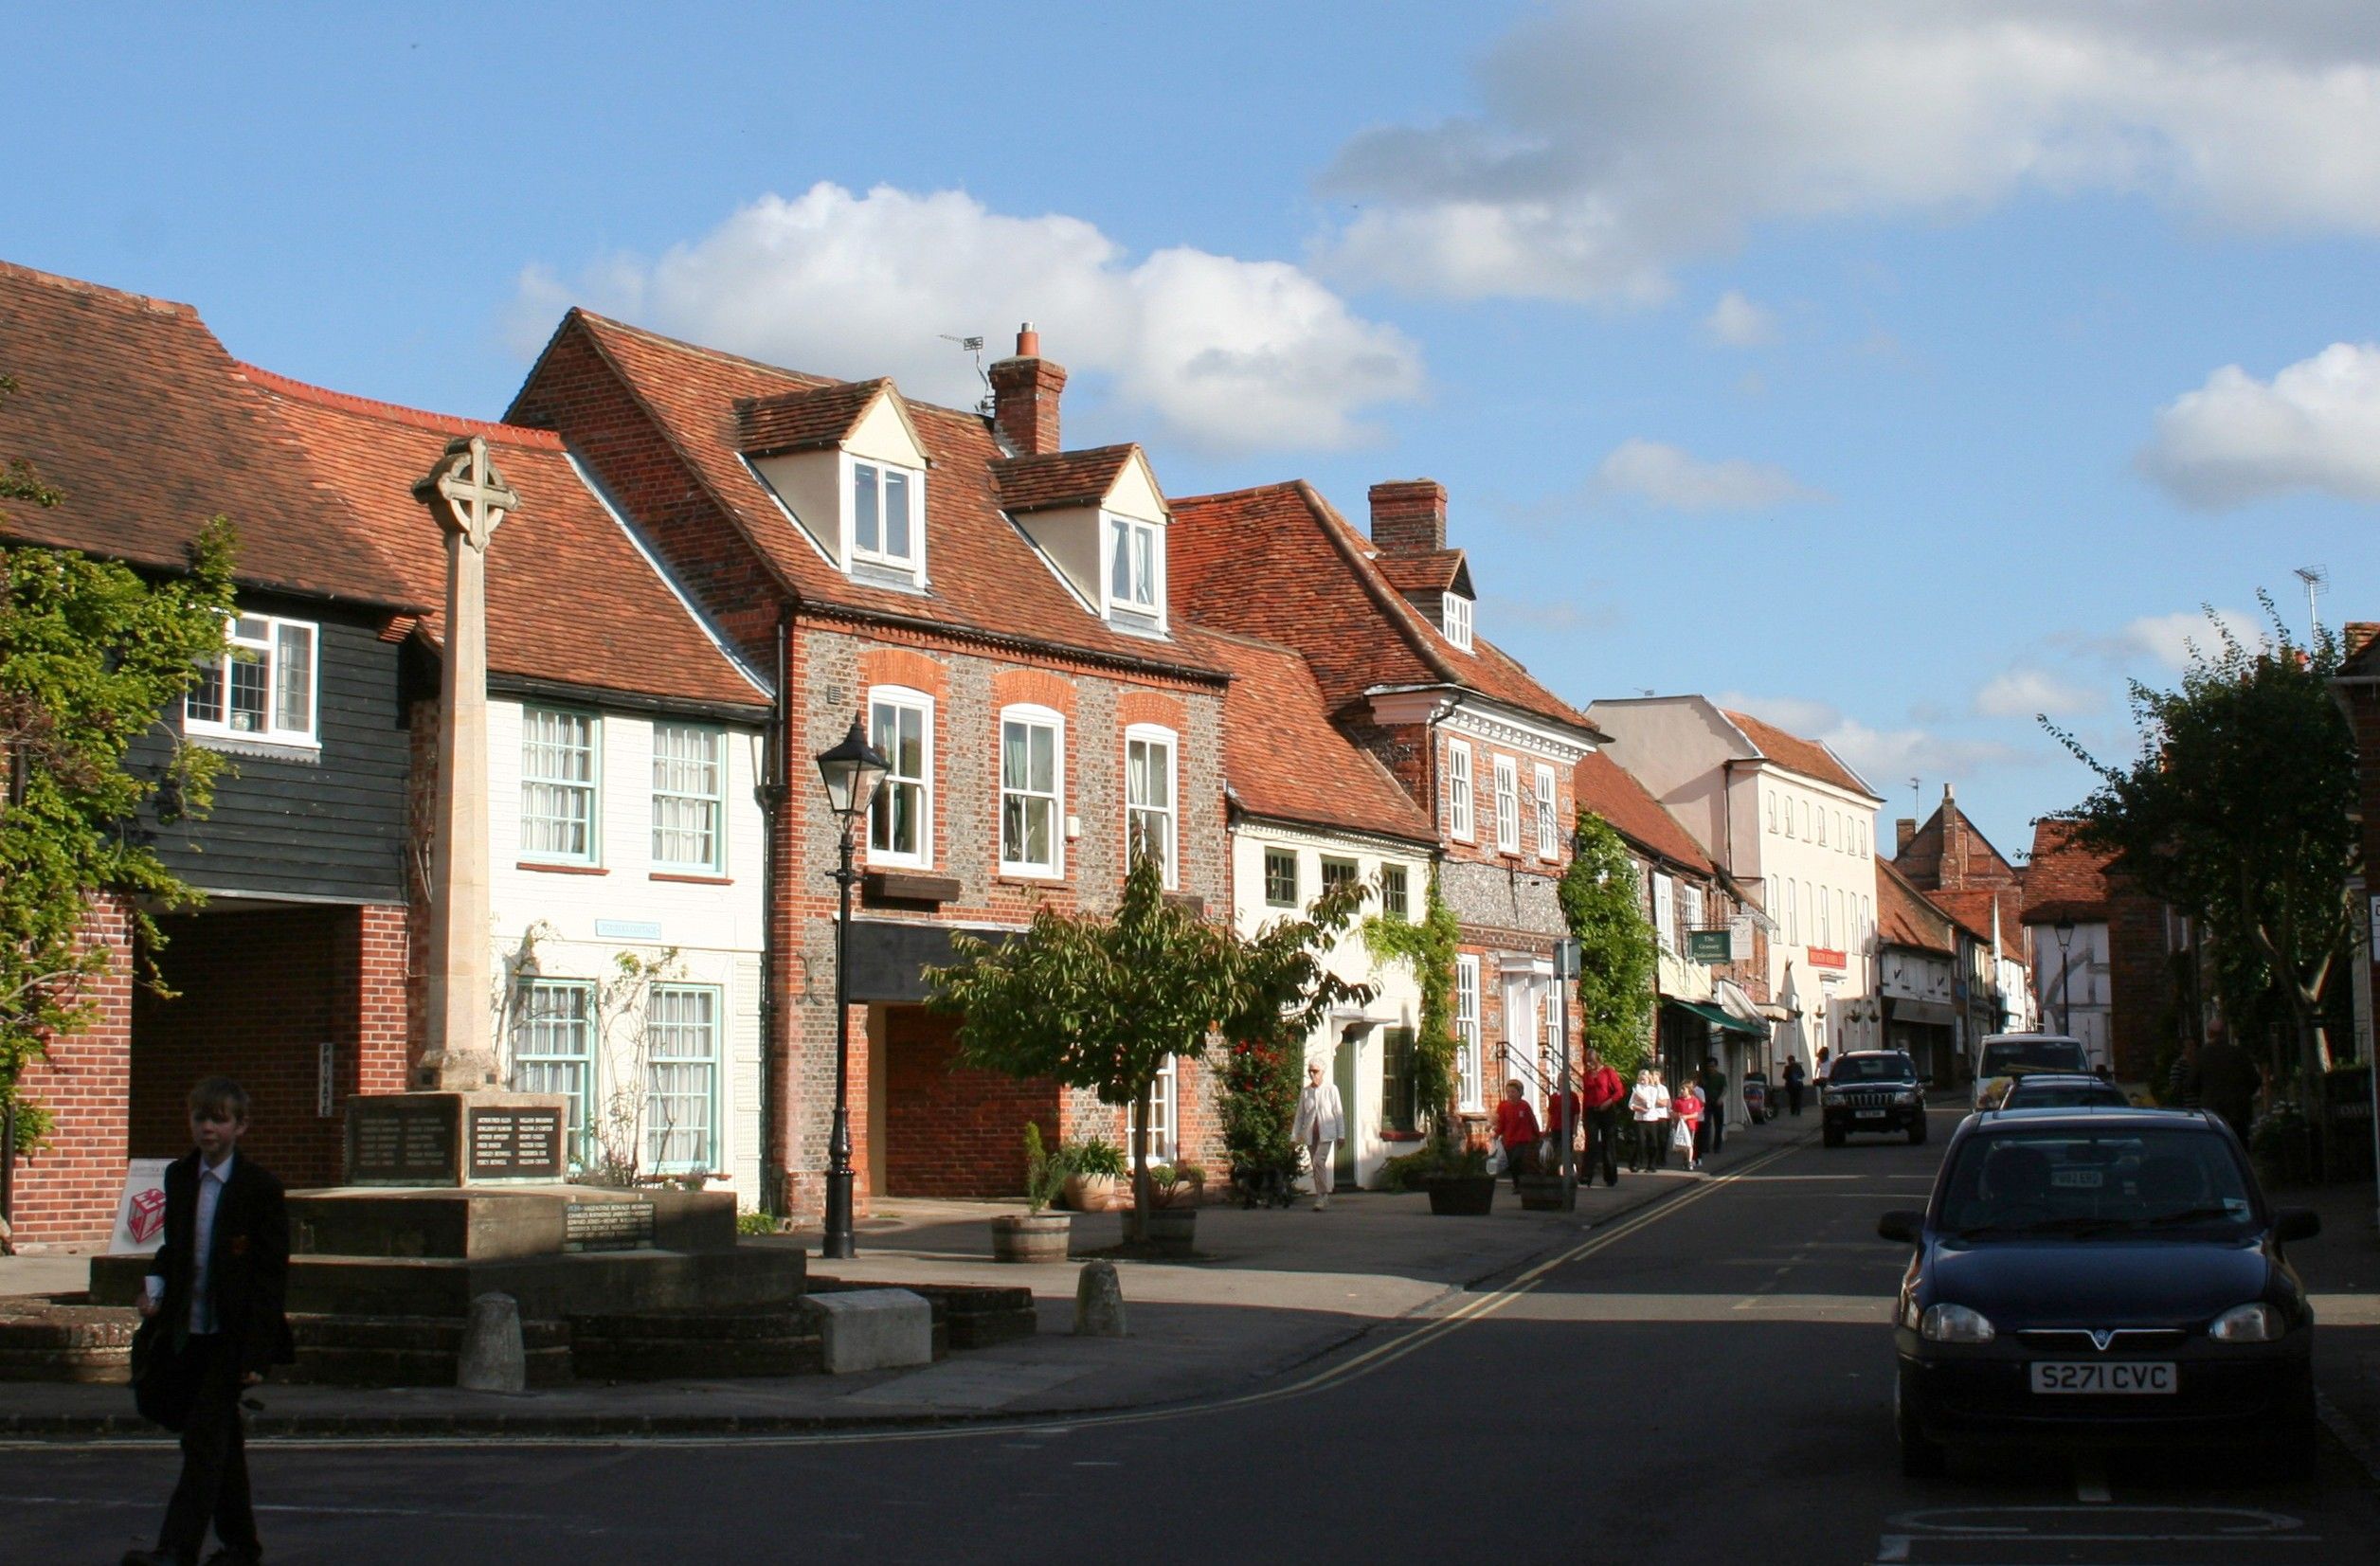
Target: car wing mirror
{"x":1902,"y":1225}
{"x":2296,"y":1223}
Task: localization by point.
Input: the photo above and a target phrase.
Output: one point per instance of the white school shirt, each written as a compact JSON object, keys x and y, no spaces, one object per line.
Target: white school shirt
{"x":210,"y":1189}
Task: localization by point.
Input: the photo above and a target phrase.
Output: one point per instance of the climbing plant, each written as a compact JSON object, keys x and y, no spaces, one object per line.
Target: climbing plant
{"x":1428,"y":946}
{"x":1603,"y":901}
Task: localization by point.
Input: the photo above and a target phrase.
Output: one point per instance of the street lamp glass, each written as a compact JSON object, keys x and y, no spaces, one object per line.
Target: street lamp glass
{"x":852,"y":770}
{"x":2066,"y":931}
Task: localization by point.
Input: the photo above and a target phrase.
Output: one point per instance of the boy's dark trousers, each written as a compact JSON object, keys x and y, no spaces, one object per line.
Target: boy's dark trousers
{"x":215,"y":1483}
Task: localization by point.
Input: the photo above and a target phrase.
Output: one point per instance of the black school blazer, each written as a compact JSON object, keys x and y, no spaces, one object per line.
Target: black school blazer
{"x":248,"y":1268}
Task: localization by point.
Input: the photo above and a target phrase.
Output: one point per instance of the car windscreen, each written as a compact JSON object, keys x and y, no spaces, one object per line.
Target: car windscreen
{"x":2181,"y":1181}
{"x":1872,"y":1068}
{"x":2034,"y":1055}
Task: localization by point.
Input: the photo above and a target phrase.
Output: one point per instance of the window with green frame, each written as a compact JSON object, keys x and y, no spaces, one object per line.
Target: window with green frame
{"x":1397,"y":1079}
{"x":681,"y":1079}
{"x":1396,"y":900}
{"x":553,"y":1052}
{"x":1281,"y":877}
{"x":1336,"y":873}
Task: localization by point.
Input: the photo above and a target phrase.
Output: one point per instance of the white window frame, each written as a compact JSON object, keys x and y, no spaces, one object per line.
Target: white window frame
{"x":1823,"y":814}
{"x":1690,"y":905}
{"x":709,"y":810}
{"x":1163,"y":1095}
{"x":902,"y":698}
{"x":1771,"y":796}
{"x":1454,"y":618}
{"x":562,"y":1067}
{"x":1793,"y":916}
{"x":708,"y":1066}
{"x":1031,"y":718}
{"x":1151,"y":734}
{"x":1466,"y":1066}
{"x":1548,"y":804}
{"x":1507,"y":776}
{"x":256,"y":641}
{"x":913,"y":481}
{"x":1664,"y":910}
{"x":1132,"y":529}
{"x":1459,"y":825}
{"x":1789,"y":816}
{"x":590,"y":787}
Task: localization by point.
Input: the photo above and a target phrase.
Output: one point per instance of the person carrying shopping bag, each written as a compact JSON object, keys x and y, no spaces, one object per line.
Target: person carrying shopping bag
{"x":1687,"y":1109}
{"x":1516,"y":1129}
{"x":1649,"y":1106}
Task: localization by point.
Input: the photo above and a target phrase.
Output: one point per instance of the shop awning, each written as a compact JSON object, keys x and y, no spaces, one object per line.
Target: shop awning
{"x":1717,"y":1017}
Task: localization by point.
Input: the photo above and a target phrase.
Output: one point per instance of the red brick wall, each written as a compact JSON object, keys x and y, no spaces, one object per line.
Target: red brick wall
{"x":951,"y":1131}
{"x":67,"y":1192}
{"x":2141,"y":1010}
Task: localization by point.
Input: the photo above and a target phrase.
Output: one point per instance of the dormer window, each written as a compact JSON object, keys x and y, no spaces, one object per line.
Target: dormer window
{"x":883,"y":516}
{"x":1136,"y":560}
{"x":1455,"y":612}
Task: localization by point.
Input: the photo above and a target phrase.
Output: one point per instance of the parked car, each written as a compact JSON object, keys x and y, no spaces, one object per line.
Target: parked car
{"x":1870,"y":1090}
{"x":1758,"y":1106}
{"x":2008,"y":1057}
{"x":2061,"y":1091}
{"x":2102,"y":1277}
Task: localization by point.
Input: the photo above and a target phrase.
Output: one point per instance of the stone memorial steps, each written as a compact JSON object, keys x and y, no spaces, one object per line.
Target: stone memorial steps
{"x":45,"y":1340}
{"x":410,"y":1351}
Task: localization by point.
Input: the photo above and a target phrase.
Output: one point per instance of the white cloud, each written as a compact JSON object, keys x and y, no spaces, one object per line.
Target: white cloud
{"x":1739,"y":323}
{"x":1676,"y":480}
{"x":2316,"y":425}
{"x":2168,"y":639}
{"x":1618,"y":138}
{"x":2021,"y":693}
{"x":1231,"y":354}
{"x":1564,"y":616}
{"x":1885,"y":757}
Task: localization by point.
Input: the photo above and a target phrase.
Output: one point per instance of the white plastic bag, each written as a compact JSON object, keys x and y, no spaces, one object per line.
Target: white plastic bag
{"x":1495,"y":1159}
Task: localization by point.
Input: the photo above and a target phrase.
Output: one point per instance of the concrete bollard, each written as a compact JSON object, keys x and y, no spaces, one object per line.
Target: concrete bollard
{"x":873,"y":1330}
{"x":1098,"y":1302}
{"x":492,"y":1359}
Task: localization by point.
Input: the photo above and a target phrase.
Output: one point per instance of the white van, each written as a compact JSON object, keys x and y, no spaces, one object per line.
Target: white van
{"x":2007,"y":1057}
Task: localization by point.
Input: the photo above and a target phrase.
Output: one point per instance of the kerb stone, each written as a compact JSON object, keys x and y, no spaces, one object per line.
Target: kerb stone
{"x":873,"y":1330}
{"x":492,"y":1358}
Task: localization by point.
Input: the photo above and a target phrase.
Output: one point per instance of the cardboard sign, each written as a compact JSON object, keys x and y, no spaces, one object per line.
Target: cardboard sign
{"x":140,"y":1216}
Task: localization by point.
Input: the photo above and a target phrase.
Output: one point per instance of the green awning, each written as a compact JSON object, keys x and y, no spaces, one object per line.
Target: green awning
{"x":1718,"y":1019}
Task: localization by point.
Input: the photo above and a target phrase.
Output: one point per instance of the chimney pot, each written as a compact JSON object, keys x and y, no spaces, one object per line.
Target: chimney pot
{"x":1028,"y":342}
{"x":1409,"y":516}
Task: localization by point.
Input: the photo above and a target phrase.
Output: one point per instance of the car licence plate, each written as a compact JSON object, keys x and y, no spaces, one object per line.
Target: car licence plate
{"x":2102,"y":1378}
{"x":1868,"y":1114}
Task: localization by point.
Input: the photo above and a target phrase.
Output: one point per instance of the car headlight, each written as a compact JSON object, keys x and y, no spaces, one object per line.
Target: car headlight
{"x":1906,"y":1095}
{"x":2248,"y":1323}
{"x":1949,"y":1323}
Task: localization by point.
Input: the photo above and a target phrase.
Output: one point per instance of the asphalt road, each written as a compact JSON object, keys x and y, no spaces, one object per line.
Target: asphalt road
{"x":1704,"y":1384}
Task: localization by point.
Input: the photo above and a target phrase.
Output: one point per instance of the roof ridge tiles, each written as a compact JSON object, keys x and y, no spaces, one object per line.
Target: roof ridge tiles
{"x":811,"y":379}
{"x":124,"y":296}
{"x":518,"y":435}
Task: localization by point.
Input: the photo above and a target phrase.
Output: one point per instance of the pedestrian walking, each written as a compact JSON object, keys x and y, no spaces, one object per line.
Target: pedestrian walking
{"x":1322,"y":1120}
{"x":1822,"y":1062}
{"x":2227,"y":1081}
{"x":211,"y":1327}
{"x":1793,"y":1079}
{"x":1605,"y":1097}
{"x":1714,"y":1107}
{"x":1516,"y":1129}
{"x":1649,"y":1106}
{"x":1687,"y":1110}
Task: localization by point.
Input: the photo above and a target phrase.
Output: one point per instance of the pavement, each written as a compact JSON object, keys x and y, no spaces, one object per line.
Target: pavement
{"x":1268,"y":1291}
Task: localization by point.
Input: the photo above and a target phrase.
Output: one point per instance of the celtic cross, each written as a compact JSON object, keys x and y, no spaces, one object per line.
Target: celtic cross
{"x":466,"y":493}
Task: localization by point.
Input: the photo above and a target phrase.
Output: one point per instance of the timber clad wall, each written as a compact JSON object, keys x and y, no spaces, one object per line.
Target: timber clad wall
{"x":67,"y":1192}
{"x":330,"y":828}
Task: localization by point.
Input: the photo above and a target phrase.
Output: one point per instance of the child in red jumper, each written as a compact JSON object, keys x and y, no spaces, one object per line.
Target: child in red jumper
{"x":1687,"y":1109}
{"x":1516,"y":1126}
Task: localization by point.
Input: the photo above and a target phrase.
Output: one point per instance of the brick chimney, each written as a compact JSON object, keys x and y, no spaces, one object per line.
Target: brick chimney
{"x":2356,"y":636}
{"x":1903,"y":830}
{"x":1953,"y":876}
{"x":1409,"y":516}
{"x":1024,"y":396}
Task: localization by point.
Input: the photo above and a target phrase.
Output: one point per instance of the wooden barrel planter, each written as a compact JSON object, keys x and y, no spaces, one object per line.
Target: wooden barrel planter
{"x":1173,"y":1230}
{"x":1461,"y":1196}
{"x":1032,"y":1236}
{"x":1541,"y":1193}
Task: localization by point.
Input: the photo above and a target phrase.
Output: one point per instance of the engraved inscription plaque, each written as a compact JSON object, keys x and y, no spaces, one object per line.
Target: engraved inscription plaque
{"x":400,"y":1144}
{"x":507,"y":1144}
{"x":608,"y":1226}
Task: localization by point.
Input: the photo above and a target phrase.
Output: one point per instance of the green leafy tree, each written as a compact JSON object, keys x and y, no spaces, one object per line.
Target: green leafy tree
{"x":2238,"y":811}
{"x":1603,"y":901}
{"x":91,"y":653}
{"x":1095,"y":1001}
{"x":1429,"y":947}
{"x":1284,"y":991}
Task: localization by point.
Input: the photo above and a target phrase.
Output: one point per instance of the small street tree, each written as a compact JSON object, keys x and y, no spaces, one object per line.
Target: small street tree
{"x":2238,"y":811}
{"x":91,"y":653}
{"x":1603,"y":902}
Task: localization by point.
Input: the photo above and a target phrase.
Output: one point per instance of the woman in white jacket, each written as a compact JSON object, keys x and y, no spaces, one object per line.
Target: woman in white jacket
{"x":1321,"y":1122}
{"x":1649,"y":1103}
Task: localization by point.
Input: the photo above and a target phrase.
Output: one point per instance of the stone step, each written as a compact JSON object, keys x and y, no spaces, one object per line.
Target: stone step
{"x":50,"y":1340}
{"x":967,"y":1316}
{"x":410,"y":1351}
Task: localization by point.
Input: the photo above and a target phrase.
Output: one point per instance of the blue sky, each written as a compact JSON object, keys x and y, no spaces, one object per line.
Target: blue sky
{"x":1872,"y":365}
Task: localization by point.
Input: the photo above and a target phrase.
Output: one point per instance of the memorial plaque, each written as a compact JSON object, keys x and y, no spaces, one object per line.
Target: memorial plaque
{"x":401,"y":1144}
{"x":608,"y":1226}
{"x":507,"y":1144}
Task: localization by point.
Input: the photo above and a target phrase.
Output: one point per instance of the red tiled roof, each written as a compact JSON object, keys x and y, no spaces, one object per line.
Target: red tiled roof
{"x":1437,"y":571}
{"x":1905,"y":916}
{"x":1041,"y":481}
{"x":1279,"y":562}
{"x":1606,"y":788}
{"x":2063,"y":879}
{"x":1286,"y":760}
{"x":1807,"y":757}
{"x":571,"y":596}
{"x":132,"y":408}
{"x":985,"y":579}
{"x":1922,"y":860}
{"x":812,"y":416}
{"x":1972,"y":906}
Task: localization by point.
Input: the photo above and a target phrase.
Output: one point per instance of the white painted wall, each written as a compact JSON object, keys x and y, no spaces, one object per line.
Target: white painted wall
{"x":2089,"y":1003}
{"x":1397,"y":998}
{"x":578,"y":926}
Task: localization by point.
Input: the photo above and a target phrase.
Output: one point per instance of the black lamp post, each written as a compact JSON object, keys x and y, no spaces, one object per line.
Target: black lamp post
{"x":853,"y":770}
{"x":2066,"y":979}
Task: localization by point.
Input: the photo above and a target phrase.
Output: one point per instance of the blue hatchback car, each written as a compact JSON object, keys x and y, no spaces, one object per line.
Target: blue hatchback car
{"x":2101,"y":1276}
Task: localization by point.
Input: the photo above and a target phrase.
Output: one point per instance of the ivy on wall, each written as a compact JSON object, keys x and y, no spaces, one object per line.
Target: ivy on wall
{"x":1603,"y":901}
{"x":1428,"y":945}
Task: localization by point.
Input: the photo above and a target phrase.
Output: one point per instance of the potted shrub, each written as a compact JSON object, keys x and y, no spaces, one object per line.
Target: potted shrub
{"x":1456,"y":1177}
{"x":1093,"y":1168}
{"x":1171,"y":1223}
{"x":1036,"y":1234}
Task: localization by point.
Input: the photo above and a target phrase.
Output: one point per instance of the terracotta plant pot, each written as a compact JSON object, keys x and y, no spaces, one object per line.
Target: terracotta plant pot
{"x":1089,"y":1193}
{"x":1032,"y":1236}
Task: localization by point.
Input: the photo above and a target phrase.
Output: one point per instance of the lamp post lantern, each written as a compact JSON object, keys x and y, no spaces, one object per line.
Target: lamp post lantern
{"x":853,"y":769}
{"x":2066,"y":979}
